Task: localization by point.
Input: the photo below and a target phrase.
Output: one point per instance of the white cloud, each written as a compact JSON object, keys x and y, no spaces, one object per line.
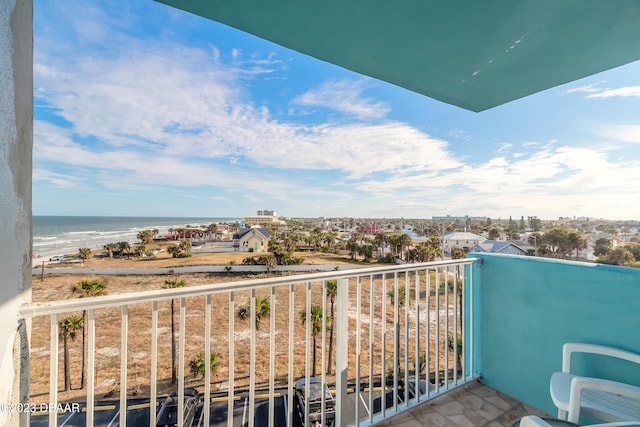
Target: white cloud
{"x":344,"y":97}
{"x":552,"y":180}
{"x":622,"y":133}
{"x":620,"y":92}
{"x":180,"y":104}
{"x":594,"y":91}
{"x":584,"y":89}
{"x":149,"y":114}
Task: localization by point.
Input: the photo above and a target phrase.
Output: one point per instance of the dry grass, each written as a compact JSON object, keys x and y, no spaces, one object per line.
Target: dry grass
{"x":108,"y":329}
{"x":164,"y":259}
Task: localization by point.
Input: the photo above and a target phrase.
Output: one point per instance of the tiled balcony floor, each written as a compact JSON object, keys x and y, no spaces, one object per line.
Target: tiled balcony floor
{"x":472,"y":405}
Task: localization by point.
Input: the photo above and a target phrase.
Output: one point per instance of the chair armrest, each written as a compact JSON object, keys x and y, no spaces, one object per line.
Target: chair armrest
{"x":581,"y":383}
{"x":533,"y":421}
{"x":617,"y":424}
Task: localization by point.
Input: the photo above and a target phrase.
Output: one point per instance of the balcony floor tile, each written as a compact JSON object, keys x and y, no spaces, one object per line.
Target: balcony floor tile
{"x":472,"y":405}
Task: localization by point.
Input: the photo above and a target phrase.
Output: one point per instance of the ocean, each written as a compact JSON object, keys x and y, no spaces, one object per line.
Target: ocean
{"x":60,"y":235}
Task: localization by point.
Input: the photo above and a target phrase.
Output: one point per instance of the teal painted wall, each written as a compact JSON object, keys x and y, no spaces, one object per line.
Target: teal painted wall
{"x":526,"y":308}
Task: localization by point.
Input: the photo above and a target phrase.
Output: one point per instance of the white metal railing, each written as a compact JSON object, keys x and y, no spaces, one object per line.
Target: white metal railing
{"x":399,"y":340}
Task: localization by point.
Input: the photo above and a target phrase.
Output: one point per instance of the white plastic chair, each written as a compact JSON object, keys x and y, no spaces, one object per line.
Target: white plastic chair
{"x":533,"y":421}
{"x":603,"y":399}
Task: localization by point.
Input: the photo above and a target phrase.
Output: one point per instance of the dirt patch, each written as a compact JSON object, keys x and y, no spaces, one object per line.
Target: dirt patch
{"x":108,"y":334}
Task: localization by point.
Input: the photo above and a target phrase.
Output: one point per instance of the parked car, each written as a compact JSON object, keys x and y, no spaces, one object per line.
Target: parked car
{"x":424,"y":387}
{"x":168,"y":414}
{"x":56,"y":258}
{"x":316,"y":394}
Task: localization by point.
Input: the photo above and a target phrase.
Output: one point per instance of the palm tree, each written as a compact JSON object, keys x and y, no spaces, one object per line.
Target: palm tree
{"x":84,"y":254}
{"x":185,"y":245}
{"x":198,"y":366}
{"x":620,"y":256}
{"x":145,"y":236}
{"x":87,"y":288}
{"x":263,"y":308}
{"x":171,"y":284}
{"x":68,"y":327}
{"x":316,"y":327}
{"x":111,"y":247}
{"x":123,"y":246}
{"x":332,"y":291}
{"x":270,"y":262}
{"x":405,"y":242}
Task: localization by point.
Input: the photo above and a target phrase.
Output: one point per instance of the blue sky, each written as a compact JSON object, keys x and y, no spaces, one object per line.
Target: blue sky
{"x":141,"y":109}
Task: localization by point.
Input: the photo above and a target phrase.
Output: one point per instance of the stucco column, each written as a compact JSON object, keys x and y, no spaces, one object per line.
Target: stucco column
{"x":16,"y":143}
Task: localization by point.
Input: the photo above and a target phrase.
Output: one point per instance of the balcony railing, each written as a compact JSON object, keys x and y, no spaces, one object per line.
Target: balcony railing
{"x":405,"y":329}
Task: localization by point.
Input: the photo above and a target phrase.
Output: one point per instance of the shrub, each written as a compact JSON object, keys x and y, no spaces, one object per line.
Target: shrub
{"x":198,"y":367}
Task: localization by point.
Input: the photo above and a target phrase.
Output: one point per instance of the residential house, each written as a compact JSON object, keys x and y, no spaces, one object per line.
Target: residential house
{"x":460,"y":240}
{"x":252,"y":240}
{"x":508,"y":247}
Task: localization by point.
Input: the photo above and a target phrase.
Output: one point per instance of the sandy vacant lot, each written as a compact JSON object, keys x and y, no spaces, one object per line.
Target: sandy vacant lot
{"x":108,"y":329}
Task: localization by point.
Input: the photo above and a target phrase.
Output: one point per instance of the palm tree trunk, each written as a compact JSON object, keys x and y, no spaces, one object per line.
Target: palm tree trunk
{"x":173,"y":347}
{"x":67,"y":374}
{"x":329,"y":362}
{"x":314,"y":355}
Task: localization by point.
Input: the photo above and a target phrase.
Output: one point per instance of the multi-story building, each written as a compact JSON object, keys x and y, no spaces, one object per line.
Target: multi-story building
{"x":263,"y":217}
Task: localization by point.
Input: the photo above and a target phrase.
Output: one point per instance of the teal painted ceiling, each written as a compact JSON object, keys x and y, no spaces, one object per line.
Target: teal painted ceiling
{"x":471,"y":53}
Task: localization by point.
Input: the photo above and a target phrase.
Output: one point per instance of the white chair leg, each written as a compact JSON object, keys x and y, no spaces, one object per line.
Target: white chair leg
{"x":562,"y":415}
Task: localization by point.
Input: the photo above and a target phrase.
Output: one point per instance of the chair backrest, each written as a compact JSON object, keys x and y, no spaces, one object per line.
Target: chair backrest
{"x":570,"y":348}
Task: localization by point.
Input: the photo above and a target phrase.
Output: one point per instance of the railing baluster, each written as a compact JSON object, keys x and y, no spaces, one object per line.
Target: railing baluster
{"x":383,"y":340}
{"x":323,"y":339}
{"x":91,"y":365}
{"x":371,"y":344}
{"x":290,"y":373}
{"x":154,"y":364}
{"x":446,"y":327}
{"x":307,"y":348}
{"x":358,"y":347}
{"x":455,"y":325}
{"x":342,"y":351}
{"x":416,"y":337}
{"x":252,"y":361}
{"x":207,"y":360}
{"x":53,"y":368}
{"x":437,"y":341}
{"x":471,"y":322}
{"x":272,"y":354}
{"x":124,"y":323}
{"x":407,"y":291}
{"x":396,"y":339}
{"x":427,"y":337}
{"x":181,"y":351}
{"x":232,"y":365}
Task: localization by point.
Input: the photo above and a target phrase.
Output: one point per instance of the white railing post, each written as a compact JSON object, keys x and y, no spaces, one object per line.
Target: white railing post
{"x":342,"y":351}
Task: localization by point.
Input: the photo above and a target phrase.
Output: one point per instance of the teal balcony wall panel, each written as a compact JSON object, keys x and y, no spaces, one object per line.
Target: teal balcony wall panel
{"x":528,"y":307}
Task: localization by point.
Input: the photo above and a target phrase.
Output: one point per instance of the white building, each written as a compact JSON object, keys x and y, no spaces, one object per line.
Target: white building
{"x":460,"y":240}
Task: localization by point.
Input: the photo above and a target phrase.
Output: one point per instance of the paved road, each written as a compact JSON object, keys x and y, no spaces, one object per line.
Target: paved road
{"x":191,"y":269}
{"x":107,"y":414}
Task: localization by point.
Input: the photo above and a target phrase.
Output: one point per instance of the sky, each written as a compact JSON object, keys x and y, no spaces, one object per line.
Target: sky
{"x":144,"y":110}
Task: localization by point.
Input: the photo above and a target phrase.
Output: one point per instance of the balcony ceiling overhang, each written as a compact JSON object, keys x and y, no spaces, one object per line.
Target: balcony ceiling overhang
{"x":470,"y":53}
